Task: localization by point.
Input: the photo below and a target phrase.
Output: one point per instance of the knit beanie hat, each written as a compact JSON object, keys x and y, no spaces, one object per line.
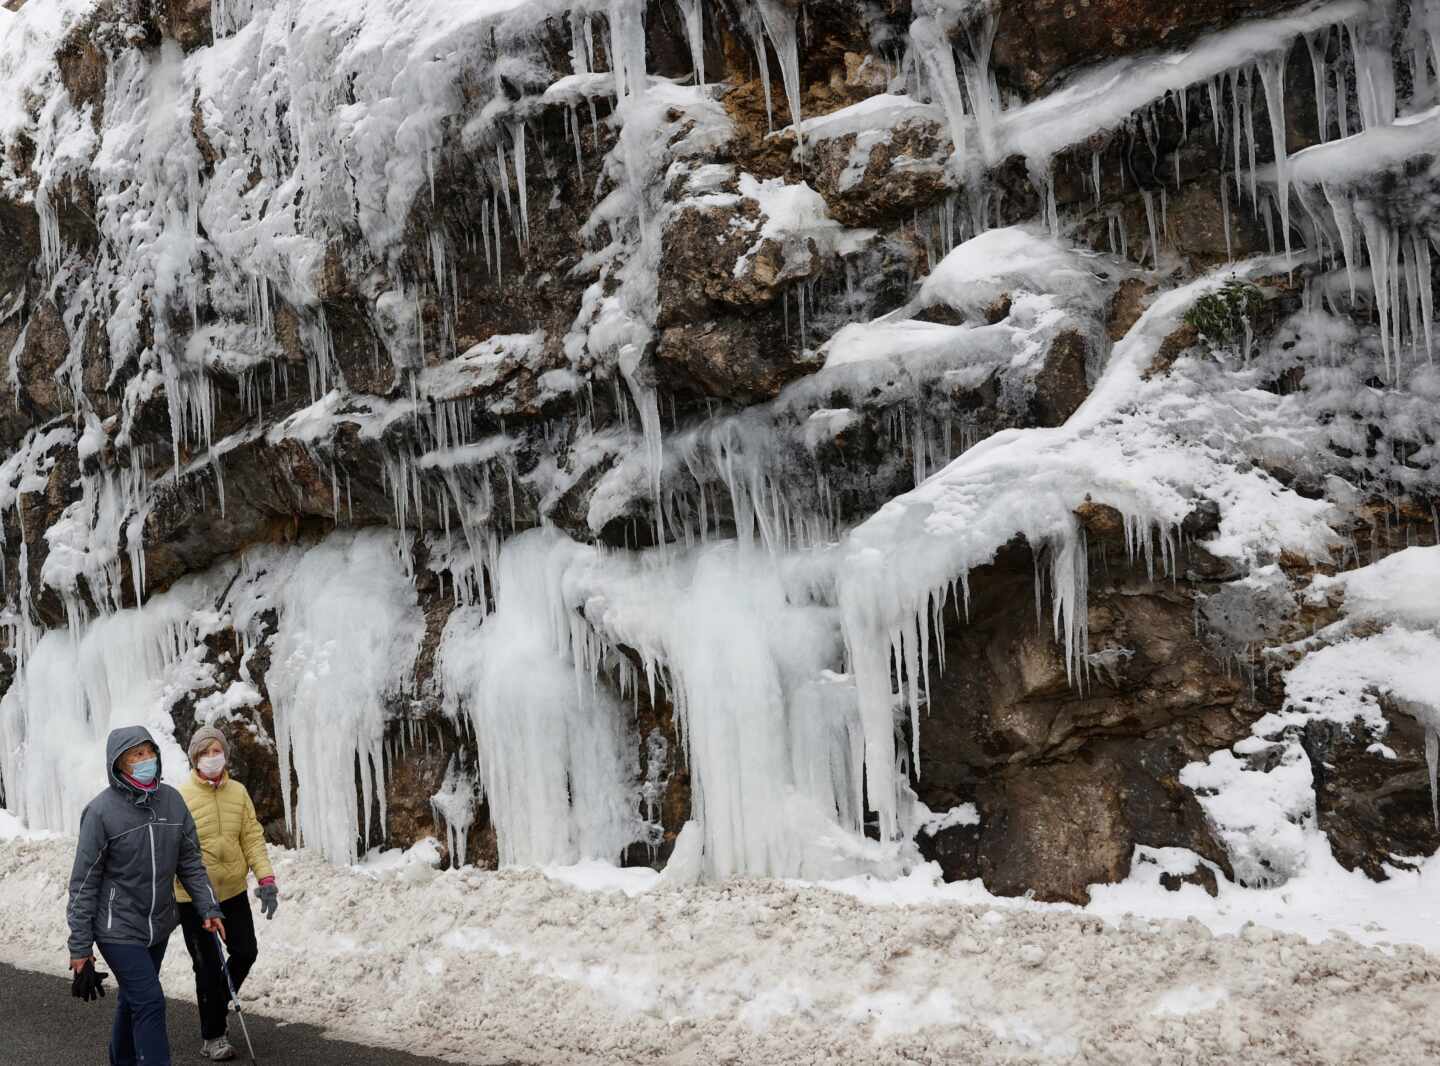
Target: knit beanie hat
{"x":201,"y":739}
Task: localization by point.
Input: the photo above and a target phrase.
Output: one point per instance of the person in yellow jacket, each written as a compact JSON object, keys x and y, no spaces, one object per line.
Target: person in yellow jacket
{"x":233,"y":846}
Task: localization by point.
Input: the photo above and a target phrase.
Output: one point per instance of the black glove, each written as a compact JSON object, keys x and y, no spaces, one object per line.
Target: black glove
{"x":88,"y":983}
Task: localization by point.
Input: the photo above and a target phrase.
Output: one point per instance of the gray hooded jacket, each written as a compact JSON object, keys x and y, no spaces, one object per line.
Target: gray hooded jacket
{"x":133,"y":844}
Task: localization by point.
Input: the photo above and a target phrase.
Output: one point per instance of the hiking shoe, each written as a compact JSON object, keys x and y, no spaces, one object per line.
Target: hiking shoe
{"x":218,"y":1050}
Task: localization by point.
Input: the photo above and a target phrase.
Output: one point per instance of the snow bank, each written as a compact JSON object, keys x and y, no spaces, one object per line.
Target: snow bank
{"x":484,"y":966}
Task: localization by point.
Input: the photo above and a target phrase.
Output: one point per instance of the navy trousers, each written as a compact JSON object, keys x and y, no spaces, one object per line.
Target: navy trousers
{"x":138,"y":1037}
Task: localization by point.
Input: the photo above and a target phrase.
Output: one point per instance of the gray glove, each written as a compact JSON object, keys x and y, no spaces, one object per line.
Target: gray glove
{"x":269,"y":897}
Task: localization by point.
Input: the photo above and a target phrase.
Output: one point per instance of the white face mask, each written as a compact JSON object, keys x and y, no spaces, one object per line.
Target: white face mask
{"x":211,"y":765}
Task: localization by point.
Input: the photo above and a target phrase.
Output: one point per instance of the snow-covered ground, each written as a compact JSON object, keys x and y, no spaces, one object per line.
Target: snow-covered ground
{"x":591,"y":964}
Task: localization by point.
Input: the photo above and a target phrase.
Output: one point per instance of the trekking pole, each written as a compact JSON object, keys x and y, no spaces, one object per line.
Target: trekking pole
{"x":239,"y":1010}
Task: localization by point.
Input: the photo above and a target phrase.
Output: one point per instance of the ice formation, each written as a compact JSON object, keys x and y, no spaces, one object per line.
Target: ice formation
{"x":551,"y":742}
{"x":347,"y":632}
{"x":237,"y":181}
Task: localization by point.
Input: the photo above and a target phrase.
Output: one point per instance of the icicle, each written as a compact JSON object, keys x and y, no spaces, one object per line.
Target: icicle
{"x":1374,"y":74}
{"x":1213,"y":89}
{"x":1317,"y":44}
{"x":755,"y":30}
{"x":1225,"y":217}
{"x":504,"y":185}
{"x":1272,"y":78}
{"x":1421,"y":253}
{"x":779,"y":23}
{"x":981,"y":83}
{"x":1432,"y":765}
{"x":933,"y":45}
{"x":1236,"y":135}
{"x":517,"y":129}
{"x":1345,"y":224}
{"x":692,"y":12}
{"x":1379,"y":242}
{"x":1342,"y":96}
{"x":627,"y":47}
{"x":1247,"y":107}
{"x":1149,"y":199}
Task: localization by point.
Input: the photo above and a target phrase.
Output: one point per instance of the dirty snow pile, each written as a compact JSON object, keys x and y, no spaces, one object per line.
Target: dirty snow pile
{"x":517,"y":966}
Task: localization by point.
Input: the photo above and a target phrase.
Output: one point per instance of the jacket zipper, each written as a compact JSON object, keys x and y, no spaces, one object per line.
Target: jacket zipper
{"x":110,"y":921}
{"x":150,"y":918}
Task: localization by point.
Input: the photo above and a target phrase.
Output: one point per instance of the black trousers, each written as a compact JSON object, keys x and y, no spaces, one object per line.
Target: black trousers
{"x":211,"y":993}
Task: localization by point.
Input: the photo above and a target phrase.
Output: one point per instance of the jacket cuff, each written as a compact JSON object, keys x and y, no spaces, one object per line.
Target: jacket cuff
{"x":268,"y":880}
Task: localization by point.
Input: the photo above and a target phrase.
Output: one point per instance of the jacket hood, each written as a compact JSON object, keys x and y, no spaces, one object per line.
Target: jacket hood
{"x":120,"y":741}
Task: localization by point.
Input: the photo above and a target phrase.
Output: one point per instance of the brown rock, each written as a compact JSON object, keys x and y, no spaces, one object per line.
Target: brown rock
{"x":187,"y":21}
{"x":1126,"y":307}
{"x":736,"y":360}
{"x":83,"y":68}
{"x":1375,"y":810}
{"x":902,"y":173}
{"x":1036,"y":40}
{"x":1061,"y":385}
{"x":47,"y":345}
{"x":1071,"y":776}
{"x":1053,"y":830}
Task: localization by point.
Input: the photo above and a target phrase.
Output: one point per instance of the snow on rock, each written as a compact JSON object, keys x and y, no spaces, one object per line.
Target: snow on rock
{"x":1106,"y":96}
{"x":1012,"y":260}
{"x":1260,"y":794}
{"x":905,"y":563}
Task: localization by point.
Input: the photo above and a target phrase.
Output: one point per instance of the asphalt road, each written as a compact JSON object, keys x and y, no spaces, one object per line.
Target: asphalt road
{"x":41,"y":1023}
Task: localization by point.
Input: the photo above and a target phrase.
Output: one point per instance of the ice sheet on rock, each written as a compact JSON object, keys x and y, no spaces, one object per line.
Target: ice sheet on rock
{"x":349,"y":630}
{"x":126,"y":668}
{"x":552,"y":744}
{"x":772,"y":739}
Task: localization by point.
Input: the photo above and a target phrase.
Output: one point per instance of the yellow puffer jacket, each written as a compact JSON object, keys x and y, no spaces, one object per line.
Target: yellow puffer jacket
{"x":230,"y":835}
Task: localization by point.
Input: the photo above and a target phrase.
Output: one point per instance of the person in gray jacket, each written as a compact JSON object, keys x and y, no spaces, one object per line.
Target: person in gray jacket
{"x":136,"y":837}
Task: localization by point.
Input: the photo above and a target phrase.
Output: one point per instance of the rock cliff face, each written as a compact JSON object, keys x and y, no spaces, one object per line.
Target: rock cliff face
{"x":729,"y":434}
